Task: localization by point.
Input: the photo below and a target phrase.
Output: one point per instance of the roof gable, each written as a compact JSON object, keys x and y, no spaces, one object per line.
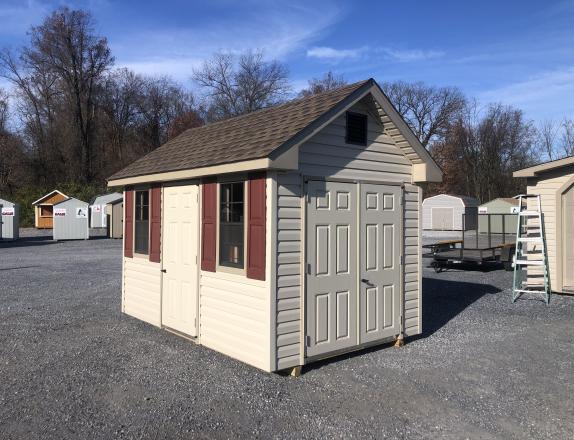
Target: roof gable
{"x":544,"y":167}
{"x":49,"y":195}
{"x":270,"y":134}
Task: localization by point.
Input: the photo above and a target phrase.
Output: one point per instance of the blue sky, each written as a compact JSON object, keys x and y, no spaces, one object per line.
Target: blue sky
{"x":514,"y":52}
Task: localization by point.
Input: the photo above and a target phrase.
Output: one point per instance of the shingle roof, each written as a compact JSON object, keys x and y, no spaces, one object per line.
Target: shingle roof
{"x":251,"y":136}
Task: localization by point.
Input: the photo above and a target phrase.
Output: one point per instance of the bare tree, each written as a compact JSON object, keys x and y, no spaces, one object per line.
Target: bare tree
{"x":237,"y":86}
{"x":567,"y":140}
{"x":428,"y":110}
{"x":547,"y":133}
{"x":329,"y":81}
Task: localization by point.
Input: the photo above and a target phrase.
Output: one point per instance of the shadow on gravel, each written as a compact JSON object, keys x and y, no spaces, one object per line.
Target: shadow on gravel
{"x":444,"y":299}
{"x":27,"y":241}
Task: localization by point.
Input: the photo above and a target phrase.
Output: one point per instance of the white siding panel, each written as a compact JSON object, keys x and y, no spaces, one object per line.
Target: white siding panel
{"x":142,"y":290}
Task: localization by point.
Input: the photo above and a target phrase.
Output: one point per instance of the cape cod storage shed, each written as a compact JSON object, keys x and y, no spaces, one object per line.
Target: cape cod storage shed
{"x":282,"y":236}
{"x":115,"y":213}
{"x":71,"y":220}
{"x":502,"y":213}
{"x":98,"y":217}
{"x":444,"y":212}
{"x":44,"y":209}
{"x":554,"y":182}
{"x":10,"y":219}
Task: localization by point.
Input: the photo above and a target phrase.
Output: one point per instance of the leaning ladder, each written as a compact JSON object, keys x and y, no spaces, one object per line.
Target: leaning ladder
{"x":530,"y":250}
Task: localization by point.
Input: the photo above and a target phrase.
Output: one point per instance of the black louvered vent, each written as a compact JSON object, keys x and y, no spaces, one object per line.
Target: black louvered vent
{"x":356,"y":128}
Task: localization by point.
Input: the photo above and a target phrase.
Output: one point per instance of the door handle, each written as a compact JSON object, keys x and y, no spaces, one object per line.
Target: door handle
{"x":164,"y":270}
{"x":364,"y":280}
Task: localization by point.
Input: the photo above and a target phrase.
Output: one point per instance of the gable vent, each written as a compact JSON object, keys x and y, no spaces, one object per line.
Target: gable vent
{"x":356,"y":129}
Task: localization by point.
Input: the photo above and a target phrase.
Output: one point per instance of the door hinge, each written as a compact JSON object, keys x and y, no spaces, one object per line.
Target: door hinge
{"x":402,"y":260}
{"x":308,"y":268}
{"x":308,"y":342}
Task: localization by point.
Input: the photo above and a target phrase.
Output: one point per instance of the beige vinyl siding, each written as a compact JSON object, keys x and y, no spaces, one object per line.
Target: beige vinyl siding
{"x":142,"y":290}
{"x":547,"y":187}
{"x":234,"y":317}
{"x":327,"y":155}
{"x":289,"y":260}
{"x":412,"y":268}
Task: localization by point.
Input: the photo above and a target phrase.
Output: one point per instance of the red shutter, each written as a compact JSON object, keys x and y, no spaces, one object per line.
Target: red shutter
{"x":155,"y":224}
{"x":129,"y":222}
{"x":256,"y":226}
{"x":208,"y":225}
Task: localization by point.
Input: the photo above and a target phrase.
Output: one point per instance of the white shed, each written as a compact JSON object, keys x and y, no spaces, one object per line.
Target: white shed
{"x":98,"y":217}
{"x":444,"y":212}
{"x":10,"y":220}
{"x":71,"y":220}
{"x":283,"y":236}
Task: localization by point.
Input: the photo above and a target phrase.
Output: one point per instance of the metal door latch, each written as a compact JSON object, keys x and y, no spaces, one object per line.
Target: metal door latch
{"x":164,"y":270}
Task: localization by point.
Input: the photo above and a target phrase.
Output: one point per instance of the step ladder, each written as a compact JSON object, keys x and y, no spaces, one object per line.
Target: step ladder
{"x":530,"y":251}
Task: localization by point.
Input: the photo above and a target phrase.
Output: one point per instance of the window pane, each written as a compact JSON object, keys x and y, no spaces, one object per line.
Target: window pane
{"x":231,"y":232}
{"x":141,"y":232}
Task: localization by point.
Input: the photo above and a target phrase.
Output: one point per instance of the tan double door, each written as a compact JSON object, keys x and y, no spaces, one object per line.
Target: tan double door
{"x":353,"y":253}
{"x":179,"y":258}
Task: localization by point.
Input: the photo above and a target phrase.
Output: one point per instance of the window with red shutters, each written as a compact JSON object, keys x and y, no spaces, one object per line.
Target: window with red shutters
{"x":155,"y":225}
{"x":208,"y":225}
{"x":256,"y":207}
{"x":128,"y":222}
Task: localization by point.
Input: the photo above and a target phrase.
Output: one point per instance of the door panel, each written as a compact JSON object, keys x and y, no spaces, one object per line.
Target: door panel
{"x":380,"y":272}
{"x":179,"y":258}
{"x":332,"y":255}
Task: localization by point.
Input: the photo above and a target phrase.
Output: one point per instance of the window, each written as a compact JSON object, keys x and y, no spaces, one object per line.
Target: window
{"x":356,"y":129}
{"x":231,"y":224}
{"x":141,"y":239}
{"x":45,"y":211}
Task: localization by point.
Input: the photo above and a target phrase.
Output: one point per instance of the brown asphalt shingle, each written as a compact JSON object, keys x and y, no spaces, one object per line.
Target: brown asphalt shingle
{"x":251,"y":136}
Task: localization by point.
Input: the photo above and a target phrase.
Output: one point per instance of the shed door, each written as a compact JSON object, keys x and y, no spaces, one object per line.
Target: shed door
{"x":380,"y":249}
{"x":568,"y":238}
{"x":442,"y":219}
{"x":332,"y":273}
{"x":179,"y":258}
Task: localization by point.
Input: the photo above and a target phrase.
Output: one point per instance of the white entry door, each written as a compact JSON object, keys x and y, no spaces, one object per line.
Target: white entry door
{"x":180,"y":247}
{"x":332,"y":270}
{"x":380,"y":272}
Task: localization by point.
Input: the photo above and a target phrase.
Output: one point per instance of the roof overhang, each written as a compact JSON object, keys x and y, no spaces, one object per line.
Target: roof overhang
{"x":544,"y":167}
{"x":50,"y":194}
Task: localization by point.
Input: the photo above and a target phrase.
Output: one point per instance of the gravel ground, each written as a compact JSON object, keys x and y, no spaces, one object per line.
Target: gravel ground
{"x":71,"y":366}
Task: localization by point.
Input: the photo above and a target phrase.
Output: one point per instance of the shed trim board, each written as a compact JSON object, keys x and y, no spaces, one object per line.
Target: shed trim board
{"x":265,"y":322}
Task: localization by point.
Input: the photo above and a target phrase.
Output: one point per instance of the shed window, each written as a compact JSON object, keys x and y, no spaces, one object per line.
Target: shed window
{"x":231,"y":224}
{"x":356,"y":129}
{"x":141,"y":239}
{"x":46,"y":211}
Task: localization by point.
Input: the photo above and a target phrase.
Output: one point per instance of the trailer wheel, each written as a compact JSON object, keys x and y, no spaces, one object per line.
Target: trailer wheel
{"x":437,"y":267}
{"x":507,"y":266}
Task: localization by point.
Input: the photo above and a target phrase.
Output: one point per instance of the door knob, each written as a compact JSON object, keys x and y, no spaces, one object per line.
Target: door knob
{"x":365,"y":281}
{"x":164,"y":271}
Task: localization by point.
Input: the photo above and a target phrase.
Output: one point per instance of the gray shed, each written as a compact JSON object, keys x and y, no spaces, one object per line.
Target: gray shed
{"x":10,"y":220}
{"x":115,"y":214}
{"x":502,"y":212}
{"x":98,"y":217}
{"x":71,"y":220}
{"x":444,"y":212}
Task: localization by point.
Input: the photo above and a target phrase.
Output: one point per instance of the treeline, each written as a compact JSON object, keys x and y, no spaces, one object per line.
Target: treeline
{"x":71,"y":119}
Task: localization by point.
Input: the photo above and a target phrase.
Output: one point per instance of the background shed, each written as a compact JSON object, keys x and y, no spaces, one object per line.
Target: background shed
{"x":44,"y":209}
{"x":505,"y":219}
{"x":98,"y":218}
{"x":10,"y":218}
{"x":115,"y":214}
{"x":444,"y":212}
{"x":71,"y":220}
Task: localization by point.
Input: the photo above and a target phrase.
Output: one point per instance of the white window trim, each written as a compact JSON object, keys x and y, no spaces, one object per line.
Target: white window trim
{"x":227,"y":269}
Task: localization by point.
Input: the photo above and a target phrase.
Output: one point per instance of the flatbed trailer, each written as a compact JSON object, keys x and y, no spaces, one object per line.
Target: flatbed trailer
{"x":473,"y":249}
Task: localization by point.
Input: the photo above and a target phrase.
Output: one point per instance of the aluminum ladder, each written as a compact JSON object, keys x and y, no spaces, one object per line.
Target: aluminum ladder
{"x":530,"y":251}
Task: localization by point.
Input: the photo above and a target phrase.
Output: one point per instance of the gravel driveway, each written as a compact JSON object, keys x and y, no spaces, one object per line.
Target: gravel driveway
{"x":71,"y":366}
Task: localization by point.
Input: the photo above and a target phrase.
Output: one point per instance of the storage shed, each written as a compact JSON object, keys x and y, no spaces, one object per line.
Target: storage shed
{"x":554,"y":182}
{"x":282,"y":236}
{"x":503,"y":216}
{"x":10,"y":219}
{"x":44,"y":209}
{"x":98,"y":217}
{"x":444,"y":212}
{"x":71,"y":220}
{"x":115,"y":213}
